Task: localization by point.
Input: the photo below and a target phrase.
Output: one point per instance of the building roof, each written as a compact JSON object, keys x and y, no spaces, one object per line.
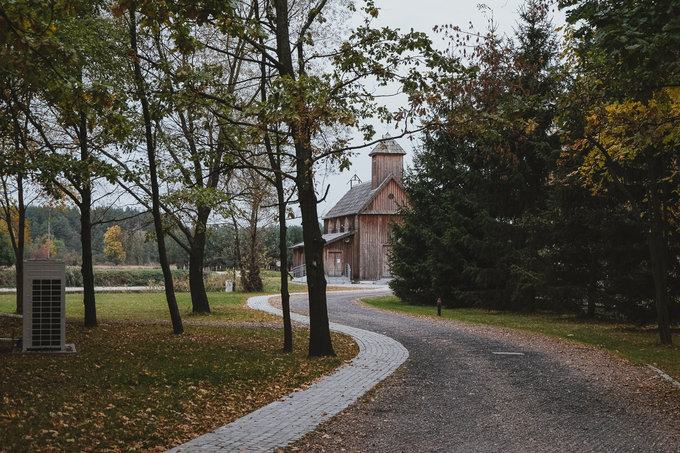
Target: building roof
{"x":357,"y":198}
{"x":352,"y":202}
{"x":387,"y":147}
{"x":329,"y":237}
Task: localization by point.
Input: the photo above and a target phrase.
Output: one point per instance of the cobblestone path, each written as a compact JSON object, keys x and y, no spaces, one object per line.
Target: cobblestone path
{"x":288,"y":419}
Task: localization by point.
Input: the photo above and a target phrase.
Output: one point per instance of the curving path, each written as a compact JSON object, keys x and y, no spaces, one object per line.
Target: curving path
{"x":290,"y":418}
{"x":463,"y":389}
{"x":478,"y":389}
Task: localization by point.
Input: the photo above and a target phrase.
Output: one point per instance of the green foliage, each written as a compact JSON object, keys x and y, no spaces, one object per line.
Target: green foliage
{"x":497,"y":216}
{"x":6,"y":252}
{"x":270,"y":242}
{"x":596,"y":255}
{"x":7,"y":278}
{"x":134,"y":277}
{"x":47,"y":247}
{"x":106,"y":277}
{"x":631,"y":46}
{"x":472,"y":233}
{"x":138,"y":244}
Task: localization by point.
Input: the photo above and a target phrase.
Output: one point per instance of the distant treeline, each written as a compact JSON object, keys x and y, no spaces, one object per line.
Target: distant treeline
{"x":137,"y":239}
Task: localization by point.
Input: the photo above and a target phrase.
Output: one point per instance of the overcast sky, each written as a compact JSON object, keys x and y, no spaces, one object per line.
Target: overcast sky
{"x":423,"y":15}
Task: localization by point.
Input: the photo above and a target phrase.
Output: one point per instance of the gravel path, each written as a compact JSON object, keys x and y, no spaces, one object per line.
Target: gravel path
{"x":482,"y":389}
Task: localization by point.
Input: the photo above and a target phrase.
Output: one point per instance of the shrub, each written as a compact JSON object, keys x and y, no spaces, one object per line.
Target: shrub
{"x":73,"y":276}
{"x":214,"y":282}
{"x":7,"y":278}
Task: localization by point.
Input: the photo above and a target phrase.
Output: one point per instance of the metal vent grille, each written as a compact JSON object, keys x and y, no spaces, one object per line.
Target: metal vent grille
{"x":44,"y":306}
{"x":46,"y":331}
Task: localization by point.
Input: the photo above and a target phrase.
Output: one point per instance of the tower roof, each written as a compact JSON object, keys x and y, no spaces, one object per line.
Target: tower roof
{"x":387,"y":147}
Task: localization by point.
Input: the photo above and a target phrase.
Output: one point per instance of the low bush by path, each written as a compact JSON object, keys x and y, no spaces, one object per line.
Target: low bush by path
{"x":637,"y":344}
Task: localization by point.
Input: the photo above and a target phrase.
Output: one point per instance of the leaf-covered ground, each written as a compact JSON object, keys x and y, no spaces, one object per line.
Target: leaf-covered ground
{"x":133,"y":386}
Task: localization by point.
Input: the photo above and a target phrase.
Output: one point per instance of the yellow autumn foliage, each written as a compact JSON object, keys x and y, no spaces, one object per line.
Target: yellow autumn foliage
{"x":113,"y":247}
{"x":14,"y":215}
{"x":627,"y":134}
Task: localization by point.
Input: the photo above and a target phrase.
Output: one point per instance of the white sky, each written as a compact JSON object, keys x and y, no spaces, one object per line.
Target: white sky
{"x":422,"y":15}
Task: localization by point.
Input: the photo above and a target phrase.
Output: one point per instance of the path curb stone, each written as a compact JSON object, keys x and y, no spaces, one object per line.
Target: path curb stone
{"x":290,"y":418}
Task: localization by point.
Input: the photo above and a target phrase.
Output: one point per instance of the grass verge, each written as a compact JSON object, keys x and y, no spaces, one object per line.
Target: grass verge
{"x":133,"y":386}
{"x":637,"y":344}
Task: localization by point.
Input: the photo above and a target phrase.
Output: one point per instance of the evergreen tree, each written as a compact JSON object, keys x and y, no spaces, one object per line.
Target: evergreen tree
{"x":480,"y":183}
{"x":6,"y":253}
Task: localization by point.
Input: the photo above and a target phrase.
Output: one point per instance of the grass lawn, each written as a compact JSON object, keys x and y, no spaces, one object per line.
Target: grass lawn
{"x":152,"y":305}
{"x":637,"y":344}
{"x":135,"y":386}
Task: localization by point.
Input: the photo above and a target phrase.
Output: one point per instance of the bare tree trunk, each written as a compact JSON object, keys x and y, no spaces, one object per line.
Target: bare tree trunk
{"x":238,"y":264}
{"x":319,"y":336}
{"x":17,"y":238}
{"x":319,"y":331}
{"x":591,"y":300}
{"x":283,"y":251}
{"x":658,"y":256}
{"x":20,"y":245}
{"x":199,"y":297}
{"x":19,"y":268}
{"x":87,"y":269}
{"x":275,"y":163}
{"x":659,"y":271}
{"x":175,"y":316}
{"x":85,"y":206}
{"x":250,"y":276}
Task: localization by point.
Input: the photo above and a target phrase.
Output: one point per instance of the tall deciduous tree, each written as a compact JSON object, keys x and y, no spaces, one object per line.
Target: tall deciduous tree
{"x":308,"y":100}
{"x":302,"y":125}
{"x":15,"y":169}
{"x":628,"y":74}
{"x":142,"y":95}
{"x":252,"y":201}
{"x":70,"y":67}
{"x":197,"y":72}
{"x":24,"y":33}
{"x":198,"y":139}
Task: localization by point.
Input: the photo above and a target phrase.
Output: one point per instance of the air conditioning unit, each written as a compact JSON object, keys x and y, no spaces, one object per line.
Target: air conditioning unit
{"x":44,"y":306}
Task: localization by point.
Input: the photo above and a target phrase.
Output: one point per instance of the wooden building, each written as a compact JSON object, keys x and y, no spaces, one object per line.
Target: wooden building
{"x":357,"y":229}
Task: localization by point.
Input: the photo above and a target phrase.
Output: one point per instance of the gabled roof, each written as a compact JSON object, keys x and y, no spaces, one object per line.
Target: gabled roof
{"x":357,"y":198}
{"x":352,"y":201}
{"x":329,"y":238}
{"x":387,"y":147}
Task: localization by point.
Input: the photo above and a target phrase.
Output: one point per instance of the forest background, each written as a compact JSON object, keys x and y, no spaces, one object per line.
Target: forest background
{"x":59,"y":230}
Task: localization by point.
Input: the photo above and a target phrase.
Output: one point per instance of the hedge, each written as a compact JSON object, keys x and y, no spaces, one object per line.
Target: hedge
{"x":108,"y":277}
